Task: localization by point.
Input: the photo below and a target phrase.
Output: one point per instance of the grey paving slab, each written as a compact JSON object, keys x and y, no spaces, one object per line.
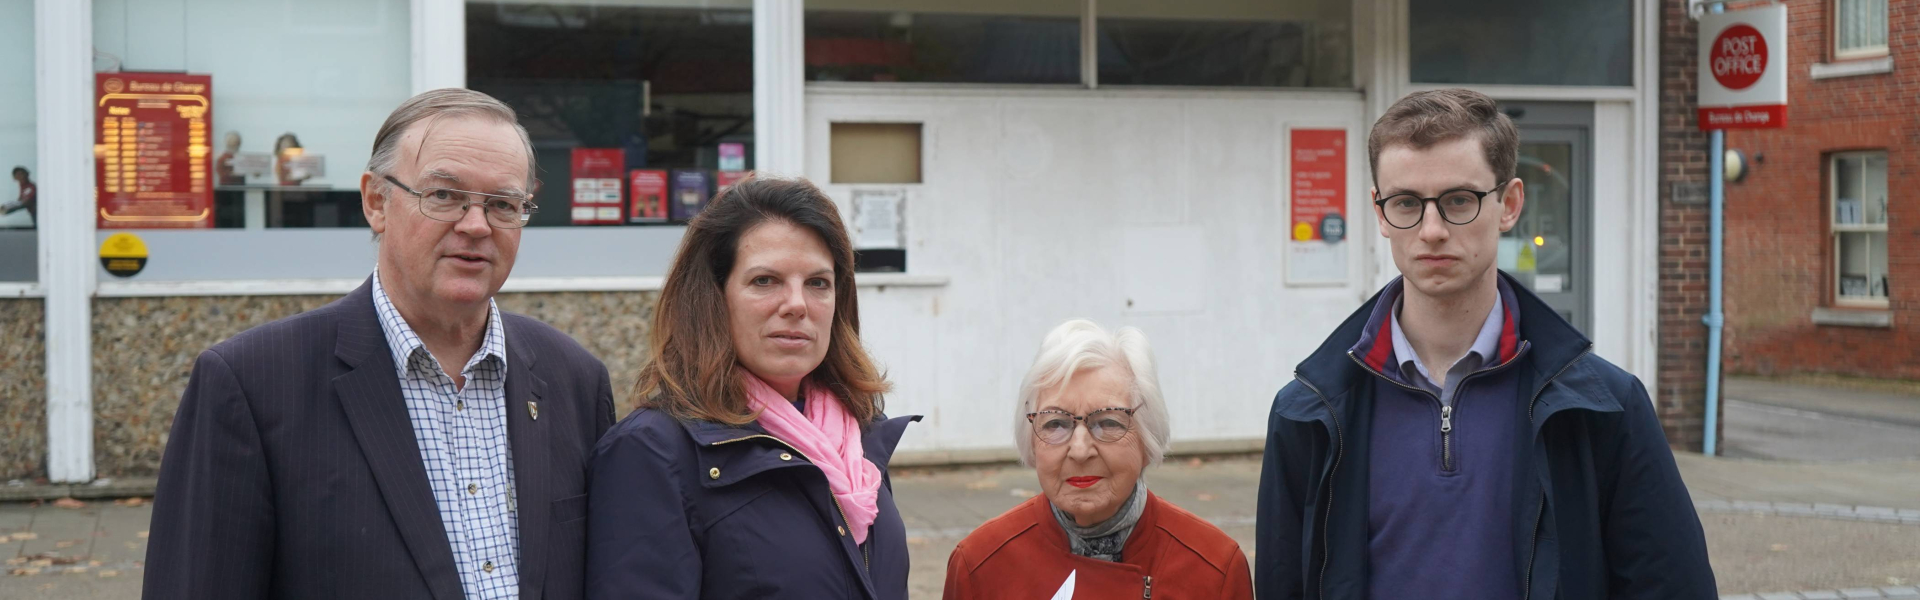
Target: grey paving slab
{"x":1820,"y":595}
{"x":62,"y":533}
{"x":1785,"y":596}
{"x":1901,"y":592}
{"x":1861,"y":593}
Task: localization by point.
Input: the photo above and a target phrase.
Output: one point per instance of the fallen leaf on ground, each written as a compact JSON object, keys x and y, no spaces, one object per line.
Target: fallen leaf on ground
{"x":134,"y":501}
{"x":916,"y":541}
{"x":1204,"y":497}
{"x":26,"y":571}
{"x":984,"y":484}
{"x":69,"y":503}
{"x":17,"y":560}
{"x":1021,"y":493}
{"x":1778,"y":548}
{"x":40,"y":563}
{"x":141,"y":535}
{"x":109,"y":573}
{"x":132,"y":546}
{"x":93,"y":563}
{"x":77,"y":570}
{"x":1195,"y":462}
{"x":25,"y":535}
{"x":65,"y":543}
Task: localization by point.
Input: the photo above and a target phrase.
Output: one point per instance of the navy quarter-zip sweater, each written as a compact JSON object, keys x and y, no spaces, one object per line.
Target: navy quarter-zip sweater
{"x":1440,"y":515}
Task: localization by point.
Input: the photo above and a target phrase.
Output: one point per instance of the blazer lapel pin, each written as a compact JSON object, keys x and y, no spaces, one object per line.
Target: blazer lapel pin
{"x":533,"y":410}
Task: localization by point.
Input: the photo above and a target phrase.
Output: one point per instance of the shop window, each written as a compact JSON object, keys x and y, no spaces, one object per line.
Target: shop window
{"x":943,"y":41}
{"x":1859,"y":28}
{"x":1859,"y":220}
{"x":638,"y":112}
{"x":1289,"y":43}
{"x":1506,"y":42}
{"x":19,"y":240}
{"x":295,"y":93}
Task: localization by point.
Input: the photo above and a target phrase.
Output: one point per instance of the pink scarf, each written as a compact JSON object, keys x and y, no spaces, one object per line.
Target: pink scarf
{"x":828,"y":436}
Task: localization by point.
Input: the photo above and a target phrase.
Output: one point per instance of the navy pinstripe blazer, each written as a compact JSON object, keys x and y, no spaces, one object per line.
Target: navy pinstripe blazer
{"x":292,"y":470}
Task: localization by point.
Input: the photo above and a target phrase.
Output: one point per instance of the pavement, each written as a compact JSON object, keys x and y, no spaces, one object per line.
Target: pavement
{"x":1844,"y":526}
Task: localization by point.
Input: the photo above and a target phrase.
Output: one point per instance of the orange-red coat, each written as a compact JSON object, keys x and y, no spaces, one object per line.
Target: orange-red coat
{"x":1171,"y":553}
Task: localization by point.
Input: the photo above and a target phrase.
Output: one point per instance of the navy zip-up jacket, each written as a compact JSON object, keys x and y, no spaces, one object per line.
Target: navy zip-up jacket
{"x":698,"y":510}
{"x":1597,"y":506}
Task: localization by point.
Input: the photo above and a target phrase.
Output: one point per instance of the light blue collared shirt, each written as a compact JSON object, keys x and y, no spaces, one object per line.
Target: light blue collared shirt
{"x":462,"y":434}
{"x":1486,"y":346}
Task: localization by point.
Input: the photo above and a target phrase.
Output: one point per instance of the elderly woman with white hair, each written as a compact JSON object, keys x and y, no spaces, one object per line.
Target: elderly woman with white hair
{"x":1090,"y":420}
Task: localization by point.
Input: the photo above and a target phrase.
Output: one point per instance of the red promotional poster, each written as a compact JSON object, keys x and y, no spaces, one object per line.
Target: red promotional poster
{"x":597,"y":198}
{"x":649,"y":197}
{"x":1319,"y":185}
{"x":722,"y":179}
{"x":151,"y":155}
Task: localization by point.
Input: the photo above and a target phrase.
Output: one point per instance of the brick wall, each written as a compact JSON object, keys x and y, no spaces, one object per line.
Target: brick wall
{"x":1682,"y":352}
{"x":1779,"y":250}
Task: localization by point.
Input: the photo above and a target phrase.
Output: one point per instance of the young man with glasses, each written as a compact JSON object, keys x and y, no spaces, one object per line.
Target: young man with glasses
{"x":1455,"y":437}
{"x":409,"y":440}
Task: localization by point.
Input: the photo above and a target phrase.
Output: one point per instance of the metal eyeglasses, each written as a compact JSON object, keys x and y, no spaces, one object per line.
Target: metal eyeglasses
{"x":446,"y":204}
{"x":1459,"y":207}
{"x":1107,"y":425}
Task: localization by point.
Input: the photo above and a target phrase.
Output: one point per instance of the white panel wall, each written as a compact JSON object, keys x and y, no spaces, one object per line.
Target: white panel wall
{"x":329,"y":72}
{"x":1039,"y":206}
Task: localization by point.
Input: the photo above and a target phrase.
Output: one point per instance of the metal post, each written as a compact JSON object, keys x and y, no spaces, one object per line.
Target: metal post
{"x":1716,"y":201}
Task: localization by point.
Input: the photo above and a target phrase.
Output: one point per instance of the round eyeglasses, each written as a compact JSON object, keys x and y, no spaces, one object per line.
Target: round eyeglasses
{"x":1107,"y":425}
{"x":450,"y":205}
{"x":1459,"y":207}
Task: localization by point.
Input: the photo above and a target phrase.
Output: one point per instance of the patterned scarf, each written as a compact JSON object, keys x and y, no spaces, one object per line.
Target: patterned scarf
{"x":1104,"y":540}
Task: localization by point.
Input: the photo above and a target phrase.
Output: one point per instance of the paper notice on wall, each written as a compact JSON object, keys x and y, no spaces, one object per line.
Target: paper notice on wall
{"x":878,"y":219}
{"x":1317,"y":213}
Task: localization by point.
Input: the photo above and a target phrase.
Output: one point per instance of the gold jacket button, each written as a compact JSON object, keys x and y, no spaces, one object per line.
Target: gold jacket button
{"x":473,"y":488}
{"x":713,"y":473}
{"x":785,"y":456}
{"x":843,"y":530}
{"x":487,"y":567}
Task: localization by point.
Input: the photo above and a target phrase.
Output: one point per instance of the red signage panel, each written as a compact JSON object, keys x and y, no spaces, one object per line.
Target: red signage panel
{"x":151,"y":151}
{"x":1319,"y":167}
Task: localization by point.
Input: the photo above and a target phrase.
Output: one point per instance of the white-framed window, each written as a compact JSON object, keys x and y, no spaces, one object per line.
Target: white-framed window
{"x":1859,"y":28}
{"x":1859,"y":217}
{"x":19,"y":237}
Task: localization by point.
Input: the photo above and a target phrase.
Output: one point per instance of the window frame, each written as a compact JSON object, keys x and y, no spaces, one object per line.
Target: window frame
{"x":1089,"y":18}
{"x":1833,"y":33}
{"x":1836,"y":230}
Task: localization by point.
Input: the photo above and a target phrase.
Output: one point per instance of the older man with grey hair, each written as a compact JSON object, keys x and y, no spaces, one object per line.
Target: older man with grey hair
{"x":409,"y":440}
{"x":1090,"y":419}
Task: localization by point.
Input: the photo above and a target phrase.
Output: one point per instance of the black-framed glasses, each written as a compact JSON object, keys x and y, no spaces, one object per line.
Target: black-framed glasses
{"x":450,"y":205}
{"x":1108,"y":425}
{"x":1459,"y":207}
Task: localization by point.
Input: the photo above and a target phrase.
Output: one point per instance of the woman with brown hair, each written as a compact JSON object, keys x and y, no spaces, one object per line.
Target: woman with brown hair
{"x":754,"y":464}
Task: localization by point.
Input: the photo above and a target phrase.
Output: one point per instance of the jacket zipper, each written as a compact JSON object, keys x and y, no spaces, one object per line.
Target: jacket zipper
{"x":1148,"y":593}
{"x":1339,"y":450}
{"x":1533,"y":548}
{"x":866,"y":560}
